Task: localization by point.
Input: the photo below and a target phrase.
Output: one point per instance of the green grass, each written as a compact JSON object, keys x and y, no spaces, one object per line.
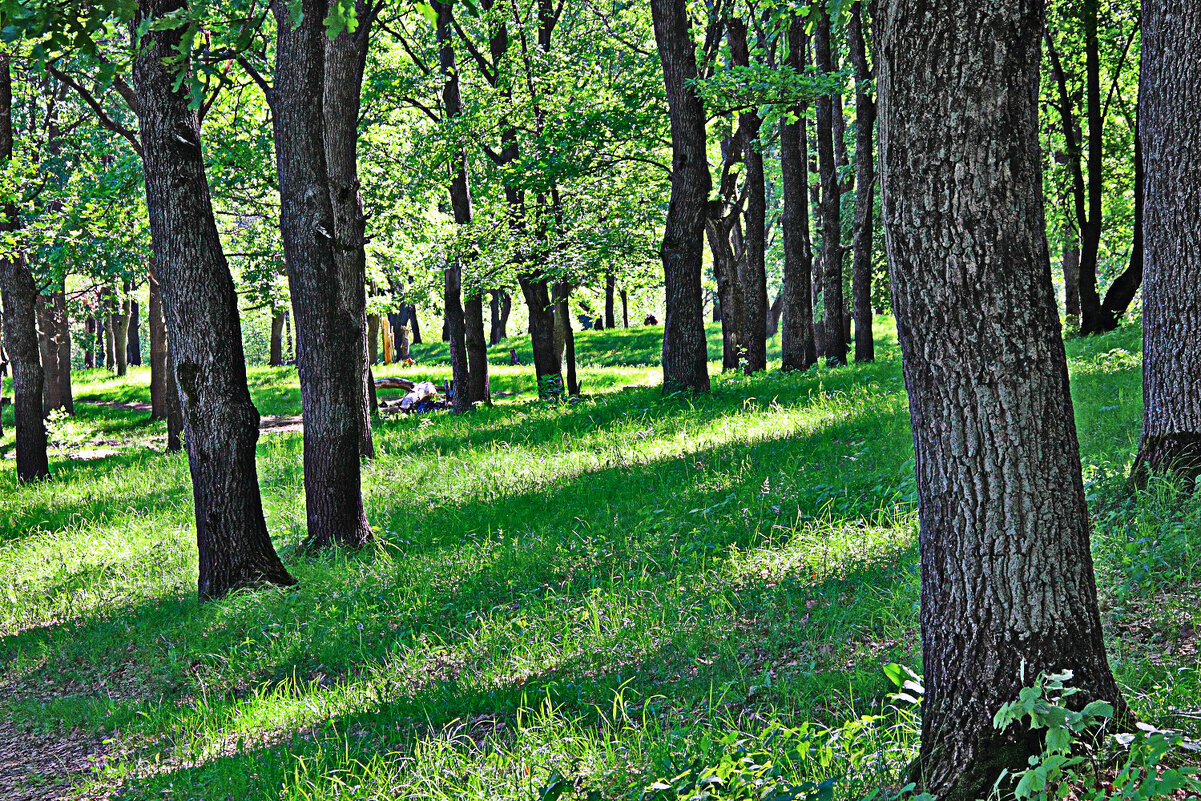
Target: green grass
{"x":606,"y":591}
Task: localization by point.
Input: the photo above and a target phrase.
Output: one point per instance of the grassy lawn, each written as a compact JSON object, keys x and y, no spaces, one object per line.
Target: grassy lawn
{"x":578,"y":598}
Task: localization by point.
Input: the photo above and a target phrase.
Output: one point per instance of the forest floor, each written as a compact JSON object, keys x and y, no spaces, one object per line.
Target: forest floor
{"x":569,"y":600}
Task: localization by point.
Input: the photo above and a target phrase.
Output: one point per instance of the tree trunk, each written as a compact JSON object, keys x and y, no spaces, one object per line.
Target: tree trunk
{"x":157,"y":331}
{"x":774,"y":312}
{"x":1123,"y":289}
{"x":133,"y":342}
{"x":19,"y":294}
{"x":1169,"y":93}
{"x":275,"y":356}
{"x":372,"y":338}
{"x":502,"y":306}
{"x":685,"y":350}
{"x":753,"y":271}
{"x":121,"y":331}
{"x":201,"y":308}
{"x":174,"y":409}
{"x":48,"y":348}
{"x":327,"y":300}
{"x":1071,"y":283}
{"x":830,"y":212}
{"x":548,"y":366}
{"x":460,"y":199}
{"x":862,"y":236}
{"x":110,"y":314}
{"x":722,"y":217}
{"x":797,"y":343}
{"x":610,"y":292}
{"x":345,"y":57}
{"x":89,"y":342}
{"x":101,"y":332}
{"x":401,"y":343}
{"x":625,"y":309}
{"x":62,"y":325}
{"x":477,"y":349}
{"x":387,"y":329}
{"x":563,"y":313}
{"x":411,"y":322}
{"x":1007,"y":587}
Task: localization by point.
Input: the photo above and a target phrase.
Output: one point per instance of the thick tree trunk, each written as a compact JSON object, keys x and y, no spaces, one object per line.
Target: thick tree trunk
{"x":548,"y":366}
{"x":722,"y":217}
{"x":275,"y":356}
{"x":133,"y":341}
{"x":797,"y":344}
{"x":157,"y":331}
{"x":460,"y":199}
{"x":502,"y":306}
{"x":400,"y":343}
{"x":563,"y":314}
{"x":174,"y":408}
{"x":1169,"y":93}
{"x":835,"y":349}
{"x":1007,"y":578}
{"x":327,"y":300}
{"x":345,"y":57}
{"x":62,"y":325}
{"x":201,"y":308}
{"x":19,"y":293}
{"x":477,"y":349}
{"x":752,"y":268}
{"x":685,"y":350}
{"x":862,"y":236}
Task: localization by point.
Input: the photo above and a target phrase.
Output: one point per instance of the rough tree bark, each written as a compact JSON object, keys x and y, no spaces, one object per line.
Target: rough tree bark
{"x":477,"y":348}
{"x":345,"y":58}
{"x":721,"y":219}
{"x":275,"y":356}
{"x":1170,"y":89}
{"x":797,"y":345}
{"x":685,"y":351}
{"x":48,"y":348}
{"x":157,"y":332}
{"x":1071,"y":282}
{"x":327,"y":301}
{"x":62,"y":325}
{"x":835,"y":345}
{"x":174,"y":408}
{"x":372,"y":337}
{"x":862,"y":235}
{"x":752,"y":267}
{"x":1007,"y":579}
{"x":20,"y":319}
{"x":121,"y":331}
{"x":201,"y":308}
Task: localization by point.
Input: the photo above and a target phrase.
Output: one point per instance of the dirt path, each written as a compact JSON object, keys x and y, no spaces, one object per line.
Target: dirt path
{"x":35,"y":767}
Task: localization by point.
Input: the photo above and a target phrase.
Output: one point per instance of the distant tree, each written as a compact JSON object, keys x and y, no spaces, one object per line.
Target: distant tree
{"x":1169,"y":95}
{"x":829,"y":121}
{"x":1007,"y":580}
{"x":685,"y":350}
{"x":862,"y":238}
{"x":221,"y":424}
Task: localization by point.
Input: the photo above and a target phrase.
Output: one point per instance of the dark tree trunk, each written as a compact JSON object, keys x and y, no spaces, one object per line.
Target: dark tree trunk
{"x":477,"y":349}
{"x":89,"y":342}
{"x":372,"y":337}
{"x":563,"y":312}
{"x":862,"y":235}
{"x":1007,"y":587}
{"x":1123,"y":289}
{"x":110,"y":314}
{"x":835,"y":349}
{"x":1071,"y":283}
{"x":773,"y":315}
{"x":625,"y":309}
{"x":327,"y":301}
{"x":548,"y":366}
{"x":1169,"y":93}
{"x":48,"y":348}
{"x":101,"y":332}
{"x":345,"y":57}
{"x":201,"y":308}
{"x":62,"y":325}
{"x":722,"y":217}
{"x":753,"y":271}
{"x":460,"y":199}
{"x":502,"y":306}
{"x":685,"y":350}
{"x":414,"y":327}
{"x":19,"y":294}
{"x":157,"y":331}
{"x":133,"y":343}
{"x":494,"y":312}
{"x":275,"y":357}
{"x":797,"y":344}
{"x":610,"y":292}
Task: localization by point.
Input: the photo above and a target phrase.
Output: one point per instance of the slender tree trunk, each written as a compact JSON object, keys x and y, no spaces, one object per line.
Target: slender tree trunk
{"x":610,"y":292}
{"x":157,"y":331}
{"x":89,"y":342}
{"x":201,"y":308}
{"x":387,"y":329}
{"x":62,"y":324}
{"x":625,"y":309}
{"x":121,"y":331}
{"x":753,"y":271}
{"x":414,"y":326}
{"x":797,"y":345}
{"x":502,"y":305}
{"x":494,"y":311}
{"x":345,"y":58}
{"x":101,"y":332}
{"x":563,"y":312}
{"x":1007,"y":578}
{"x":460,"y":198}
{"x":774,"y":312}
{"x":1169,"y":93}
{"x":19,"y":293}
{"x":275,"y":357}
{"x":1071,"y":283}
{"x":477,"y":349}
{"x":133,"y":341}
{"x":372,"y":338}
{"x":685,"y":350}
{"x":722,"y":217}
{"x":400,"y":343}
{"x":548,"y":366}
{"x":329,"y":313}
{"x":48,"y":348}
{"x":862,"y":236}
{"x":1123,"y":289}
{"x":110,"y":337}
{"x":835,"y":349}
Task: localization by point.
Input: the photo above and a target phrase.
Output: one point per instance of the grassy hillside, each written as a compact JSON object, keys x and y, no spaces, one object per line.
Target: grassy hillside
{"x":569,"y":600}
